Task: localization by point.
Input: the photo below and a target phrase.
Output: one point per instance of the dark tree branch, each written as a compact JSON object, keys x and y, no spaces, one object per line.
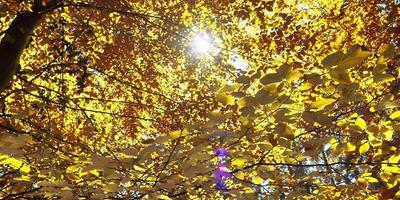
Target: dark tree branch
{"x":17,"y":38}
{"x":315,"y":165}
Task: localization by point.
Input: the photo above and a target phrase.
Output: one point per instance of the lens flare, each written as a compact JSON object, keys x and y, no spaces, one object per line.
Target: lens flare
{"x":202,"y":44}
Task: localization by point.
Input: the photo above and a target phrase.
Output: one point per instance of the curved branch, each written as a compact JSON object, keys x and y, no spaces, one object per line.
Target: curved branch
{"x":14,"y":42}
{"x":17,"y":38}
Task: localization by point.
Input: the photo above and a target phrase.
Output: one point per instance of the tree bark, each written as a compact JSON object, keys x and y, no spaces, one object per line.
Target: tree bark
{"x":14,"y":42}
{"x":17,"y":37}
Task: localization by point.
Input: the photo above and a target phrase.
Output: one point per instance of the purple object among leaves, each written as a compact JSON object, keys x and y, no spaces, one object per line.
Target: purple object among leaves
{"x":221,"y":172}
{"x":222,"y":152}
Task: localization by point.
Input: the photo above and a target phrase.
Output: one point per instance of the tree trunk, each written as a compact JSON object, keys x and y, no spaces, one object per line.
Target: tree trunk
{"x":17,"y":37}
{"x":12,"y":45}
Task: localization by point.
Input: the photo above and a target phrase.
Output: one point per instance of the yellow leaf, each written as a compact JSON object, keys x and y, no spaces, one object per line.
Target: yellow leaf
{"x":239,"y":162}
{"x":394,"y":158}
{"x":240,"y":175}
{"x":66,"y":17}
{"x":112,"y":187}
{"x":384,"y":78}
{"x":371,"y":179}
{"x":364,"y":147}
{"x":281,"y":73}
{"x":362,"y":181}
{"x":230,"y":88}
{"x":12,"y":162}
{"x":387,"y":50}
{"x":388,"y":135}
{"x":25,"y":168}
{"x":361,"y":123}
{"x":257,"y":180}
{"x":395,"y":115}
{"x":372,"y":109}
{"x":332,"y":140}
{"x":263,"y":97}
{"x":333,"y":59}
{"x":163,"y":197}
{"x":80,"y":174}
{"x":178,"y":133}
{"x":394,"y":170}
{"x":265,"y":146}
{"x":350,"y":147}
{"x":284,"y":142}
{"x":318,"y":117}
{"x":248,"y":190}
{"x":322,"y":103}
{"x":355,"y":57}
{"x":340,"y":76}
{"x":95,"y":172}
{"x":397,"y":195}
{"x":289,"y":160}
{"x":366,"y":174}
{"x":175,"y":134}
{"x":242,"y":102}
{"x":71,"y":169}
{"x":15,"y":163}
{"x":62,"y":156}
{"x":295,"y":75}
{"x":23,"y":178}
{"x":354,"y":115}
{"x":225,"y":99}
{"x":367,"y":178}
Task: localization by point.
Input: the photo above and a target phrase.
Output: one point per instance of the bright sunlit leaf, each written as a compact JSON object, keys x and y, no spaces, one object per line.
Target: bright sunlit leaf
{"x":361,"y":123}
{"x":395,"y":115}
{"x":364,"y":147}
{"x":199,"y":99}
{"x":350,"y":147}
{"x":257,"y":180}
{"x":225,"y":99}
{"x":322,"y":103}
{"x":163,"y":197}
{"x":239,"y":163}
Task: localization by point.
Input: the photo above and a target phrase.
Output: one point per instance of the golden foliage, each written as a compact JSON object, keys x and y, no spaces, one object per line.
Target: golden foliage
{"x":112,"y":101}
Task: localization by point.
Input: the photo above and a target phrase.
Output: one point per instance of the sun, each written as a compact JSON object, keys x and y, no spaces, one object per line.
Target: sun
{"x":202,"y":44}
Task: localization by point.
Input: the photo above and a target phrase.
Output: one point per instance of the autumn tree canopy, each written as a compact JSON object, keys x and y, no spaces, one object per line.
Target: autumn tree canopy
{"x":145,"y":99}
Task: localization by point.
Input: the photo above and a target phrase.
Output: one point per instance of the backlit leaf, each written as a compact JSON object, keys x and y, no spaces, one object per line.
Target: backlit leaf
{"x":263,"y":97}
{"x":72,"y":169}
{"x":225,"y":99}
{"x":94,"y":172}
{"x":384,"y":78}
{"x":361,"y":123}
{"x":350,"y":147}
{"x":333,"y":59}
{"x":322,"y":103}
{"x":395,"y":115}
{"x":238,"y":163}
{"x":388,"y":135}
{"x":387,"y":50}
{"x":318,"y":117}
{"x":112,"y":187}
{"x":257,"y":180}
{"x":294,"y":75}
{"x":23,"y":178}
{"x":340,"y":76}
{"x":364,"y":147}
{"x":397,"y":195}
{"x":136,"y":99}
{"x":163,"y":197}
{"x":355,"y":57}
